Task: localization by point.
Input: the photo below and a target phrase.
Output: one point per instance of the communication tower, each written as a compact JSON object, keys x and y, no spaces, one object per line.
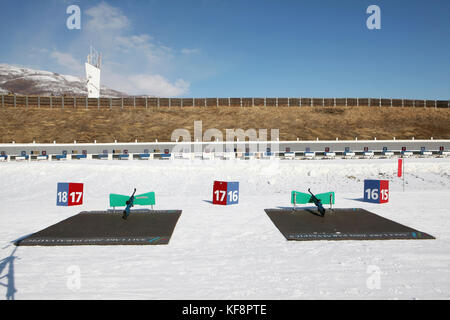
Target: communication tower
{"x":93,"y":66}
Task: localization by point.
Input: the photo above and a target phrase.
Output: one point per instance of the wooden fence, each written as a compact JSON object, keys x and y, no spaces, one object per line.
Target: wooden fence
{"x":19,"y":101}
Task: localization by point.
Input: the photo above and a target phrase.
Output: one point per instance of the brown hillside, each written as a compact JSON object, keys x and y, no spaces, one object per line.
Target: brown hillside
{"x":86,"y":125}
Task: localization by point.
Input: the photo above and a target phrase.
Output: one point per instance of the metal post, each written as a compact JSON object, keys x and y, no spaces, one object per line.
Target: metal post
{"x":87,"y":102}
{"x":146,"y":102}
{"x":14,"y":100}
{"x":39,"y":102}
{"x":170,"y":102}
{"x":134,"y":102}
{"x":253,"y":102}
{"x":158,"y":102}
{"x":276,"y":102}
{"x":229,"y":102}
{"x":122,"y":102}
{"x":110,"y":103}
{"x":391,"y":102}
{"x":414,"y":103}
{"x":265,"y":102}
{"x":368,"y":102}
{"x":435,"y":103}
{"x":403,"y":173}
{"x":403,"y":103}
{"x":380,"y":102}
{"x":300,"y":102}
{"x":323,"y":102}
{"x":346,"y":102}
{"x":206,"y":102}
{"x":331,"y":201}
{"x":26,"y":101}
{"x":335,"y":102}
{"x":241,"y":101}
{"x":288,"y":103}
{"x":51,"y":102}
{"x":62,"y":102}
{"x":193,"y":102}
{"x":357,"y":102}
{"x":98,"y":103}
{"x":3,"y":101}
{"x":74,"y":102}
{"x":425,"y":103}
{"x":311,"y":101}
{"x":217,"y":102}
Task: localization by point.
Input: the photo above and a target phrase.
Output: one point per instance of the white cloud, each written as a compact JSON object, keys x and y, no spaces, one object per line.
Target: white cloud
{"x":133,"y":62}
{"x":105,"y":17}
{"x":158,"y":85}
{"x":134,"y":42}
{"x":66,"y":60}
{"x":190,"y":51}
{"x":141,"y":40}
{"x":108,"y":28}
{"x":148,"y":84}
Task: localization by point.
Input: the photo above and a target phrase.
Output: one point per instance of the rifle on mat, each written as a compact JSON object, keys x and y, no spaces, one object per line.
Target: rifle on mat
{"x":318,"y":203}
{"x":130,"y":204}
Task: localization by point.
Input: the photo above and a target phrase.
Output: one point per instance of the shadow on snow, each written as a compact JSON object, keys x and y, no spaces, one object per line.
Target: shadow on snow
{"x":7,"y":280}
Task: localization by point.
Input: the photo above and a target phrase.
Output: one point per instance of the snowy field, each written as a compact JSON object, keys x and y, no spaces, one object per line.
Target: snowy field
{"x":231,"y":252}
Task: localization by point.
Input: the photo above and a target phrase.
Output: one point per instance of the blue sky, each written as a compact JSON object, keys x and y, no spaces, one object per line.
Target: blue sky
{"x":238,"y":48}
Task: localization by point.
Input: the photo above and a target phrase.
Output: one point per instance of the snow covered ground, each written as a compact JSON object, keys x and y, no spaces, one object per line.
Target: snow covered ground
{"x":227,"y":252}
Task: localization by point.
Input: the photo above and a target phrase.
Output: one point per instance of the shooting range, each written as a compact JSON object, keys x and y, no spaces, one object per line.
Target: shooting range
{"x":145,"y":227}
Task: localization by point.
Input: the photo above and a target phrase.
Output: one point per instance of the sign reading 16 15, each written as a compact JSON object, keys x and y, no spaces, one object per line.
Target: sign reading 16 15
{"x":376,"y":191}
{"x":69,"y":194}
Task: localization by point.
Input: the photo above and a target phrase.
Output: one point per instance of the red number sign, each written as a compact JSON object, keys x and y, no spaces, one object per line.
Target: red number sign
{"x":220,"y":193}
{"x":75,"y":197}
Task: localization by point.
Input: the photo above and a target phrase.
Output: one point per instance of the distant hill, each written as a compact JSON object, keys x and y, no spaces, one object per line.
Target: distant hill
{"x":27,"y":81}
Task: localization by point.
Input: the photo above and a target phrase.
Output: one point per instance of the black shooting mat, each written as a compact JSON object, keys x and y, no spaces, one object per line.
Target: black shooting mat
{"x":339,"y":224}
{"x":150,"y":227}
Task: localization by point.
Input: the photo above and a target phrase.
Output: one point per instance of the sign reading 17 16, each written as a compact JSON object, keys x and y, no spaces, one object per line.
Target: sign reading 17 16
{"x":69,"y":194}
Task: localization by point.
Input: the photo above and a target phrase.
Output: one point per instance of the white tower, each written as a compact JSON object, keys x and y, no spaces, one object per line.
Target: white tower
{"x":93,"y":64}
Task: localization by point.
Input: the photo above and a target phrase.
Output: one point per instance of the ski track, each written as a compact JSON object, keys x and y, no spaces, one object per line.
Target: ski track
{"x":230,"y":252}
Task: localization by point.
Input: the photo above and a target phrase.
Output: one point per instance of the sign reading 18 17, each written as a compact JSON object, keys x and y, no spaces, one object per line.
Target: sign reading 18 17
{"x":69,"y":194}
